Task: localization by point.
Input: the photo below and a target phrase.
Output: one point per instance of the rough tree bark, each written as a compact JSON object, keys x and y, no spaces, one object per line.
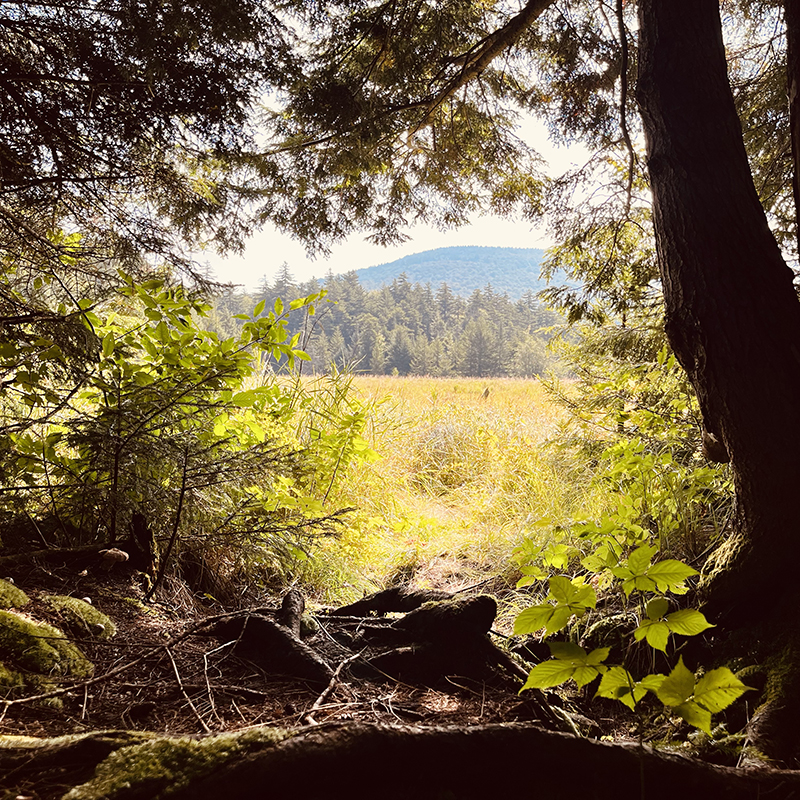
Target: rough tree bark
{"x":792,"y":20}
{"x":733,"y":319}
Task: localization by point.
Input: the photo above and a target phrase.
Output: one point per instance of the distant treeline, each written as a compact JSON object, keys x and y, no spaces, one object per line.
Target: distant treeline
{"x":408,"y":328}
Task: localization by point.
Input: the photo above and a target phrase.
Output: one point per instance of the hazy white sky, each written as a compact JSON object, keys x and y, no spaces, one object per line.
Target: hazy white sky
{"x":269,"y":249}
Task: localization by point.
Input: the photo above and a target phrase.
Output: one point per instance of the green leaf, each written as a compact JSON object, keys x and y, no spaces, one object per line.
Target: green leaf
{"x":550,"y":673}
{"x":570,"y":661}
{"x":221,"y":425}
{"x":695,"y":715}
{"x":717,"y":689}
{"x":245,"y":399}
{"x":163,"y":333}
{"x":585,"y":674}
{"x":533,"y":619}
{"x":657,"y":608}
{"x":108,"y":344}
{"x":566,"y":650}
{"x":575,"y":595}
{"x":598,"y":656}
{"x":558,"y":619}
{"x":561,"y":589}
{"x":259,"y":308}
{"x":652,"y":682}
{"x":259,"y":432}
{"x":687,"y":622}
{"x":149,"y":347}
{"x":670,"y":574}
{"x":656,"y":633}
{"x":677,"y":687}
{"x":142,"y":378}
{"x":618,"y":684}
{"x":639,"y":559}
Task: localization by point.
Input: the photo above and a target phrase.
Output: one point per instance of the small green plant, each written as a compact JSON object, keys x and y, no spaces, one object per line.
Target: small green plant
{"x":570,"y":598}
{"x":664,"y":494}
{"x":228,"y":450}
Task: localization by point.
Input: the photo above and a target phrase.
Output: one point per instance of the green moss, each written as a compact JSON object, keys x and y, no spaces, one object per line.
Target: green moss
{"x":11,"y":597}
{"x":157,"y":769}
{"x":38,"y":647}
{"x":104,"y":741}
{"x":721,"y":560}
{"x":10,"y":680}
{"x":81,"y":618}
{"x":137,"y":604}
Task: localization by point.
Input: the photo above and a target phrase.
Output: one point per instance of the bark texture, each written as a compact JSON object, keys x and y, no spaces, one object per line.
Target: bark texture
{"x":733,"y":319}
{"x":732,"y":314}
{"x":792,"y":18}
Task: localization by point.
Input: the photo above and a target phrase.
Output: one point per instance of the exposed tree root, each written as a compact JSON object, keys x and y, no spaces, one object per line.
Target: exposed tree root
{"x":391,"y":762}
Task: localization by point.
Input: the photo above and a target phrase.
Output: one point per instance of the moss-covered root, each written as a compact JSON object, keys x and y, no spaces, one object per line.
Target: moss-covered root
{"x":160,"y":767}
{"x":38,"y":647}
{"x":773,"y":731}
{"x":33,"y":767}
{"x":11,"y":596}
{"x":81,"y":618}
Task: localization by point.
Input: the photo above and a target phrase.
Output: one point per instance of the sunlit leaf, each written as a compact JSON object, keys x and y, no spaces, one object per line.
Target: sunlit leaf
{"x":657,"y":608}
{"x":677,"y":687}
{"x":717,"y":689}
{"x":533,"y":619}
{"x":687,"y":622}
{"x":549,"y":673}
{"x":694,"y":715}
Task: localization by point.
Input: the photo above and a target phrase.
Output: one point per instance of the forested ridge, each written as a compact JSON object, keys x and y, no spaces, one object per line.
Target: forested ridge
{"x":409,"y":328}
{"x":465,"y":268}
{"x":225,"y":568}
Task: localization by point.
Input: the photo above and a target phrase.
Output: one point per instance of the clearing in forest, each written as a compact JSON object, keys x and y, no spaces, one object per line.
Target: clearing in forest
{"x":464,"y":472}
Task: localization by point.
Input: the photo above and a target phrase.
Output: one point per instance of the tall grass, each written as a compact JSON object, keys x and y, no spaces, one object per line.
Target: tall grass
{"x":464,"y":473}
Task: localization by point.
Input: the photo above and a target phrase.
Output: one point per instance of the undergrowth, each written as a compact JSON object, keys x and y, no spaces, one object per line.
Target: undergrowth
{"x":462,"y":472}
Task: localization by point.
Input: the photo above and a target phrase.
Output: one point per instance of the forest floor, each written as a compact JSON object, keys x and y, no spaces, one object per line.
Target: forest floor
{"x":157,"y":674}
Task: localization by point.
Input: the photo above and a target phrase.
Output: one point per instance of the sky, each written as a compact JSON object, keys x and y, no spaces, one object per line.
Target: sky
{"x":269,"y":249}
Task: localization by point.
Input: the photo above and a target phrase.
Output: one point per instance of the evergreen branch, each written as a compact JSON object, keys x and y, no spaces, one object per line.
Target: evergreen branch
{"x":477,"y":60}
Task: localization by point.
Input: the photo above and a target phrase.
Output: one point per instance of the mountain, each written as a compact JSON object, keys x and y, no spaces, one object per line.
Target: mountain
{"x":508,"y":269}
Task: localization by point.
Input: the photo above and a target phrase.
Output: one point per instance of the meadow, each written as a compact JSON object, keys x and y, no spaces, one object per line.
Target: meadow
{"x":466,"y":469}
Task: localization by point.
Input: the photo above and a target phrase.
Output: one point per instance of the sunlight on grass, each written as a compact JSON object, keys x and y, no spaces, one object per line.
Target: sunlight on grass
{"x":464,"y":472}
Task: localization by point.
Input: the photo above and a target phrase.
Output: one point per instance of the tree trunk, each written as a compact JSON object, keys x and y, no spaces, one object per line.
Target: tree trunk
{"x":792,"y":19}
{"x":733,"y":319}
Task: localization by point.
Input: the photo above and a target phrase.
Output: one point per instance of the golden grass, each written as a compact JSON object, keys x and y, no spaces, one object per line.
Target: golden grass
{"x":464,"y":474}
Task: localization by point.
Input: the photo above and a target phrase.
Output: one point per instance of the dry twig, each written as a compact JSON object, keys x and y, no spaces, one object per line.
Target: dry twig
{"x":308,"y":716}
{"x":185,"y":694}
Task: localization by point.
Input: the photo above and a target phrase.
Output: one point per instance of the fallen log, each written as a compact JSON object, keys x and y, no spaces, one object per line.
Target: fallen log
{"x":450,"y":620}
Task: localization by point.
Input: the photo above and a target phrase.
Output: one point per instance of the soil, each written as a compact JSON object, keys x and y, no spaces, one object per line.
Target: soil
{"x":166,"y":674}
